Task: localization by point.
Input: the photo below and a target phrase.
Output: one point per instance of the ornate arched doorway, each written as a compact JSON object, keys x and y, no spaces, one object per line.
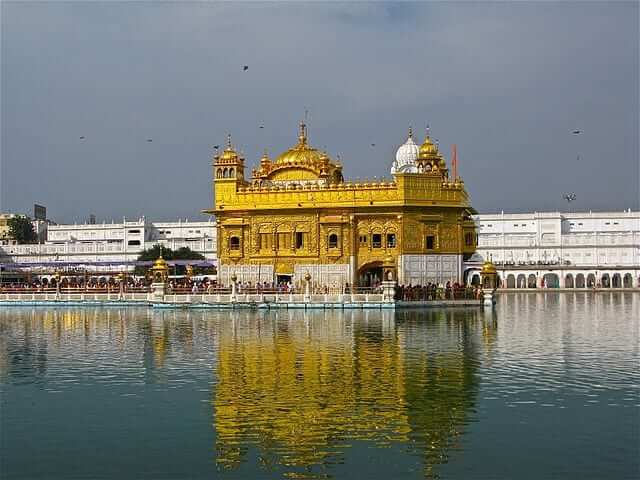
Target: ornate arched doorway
{"x":370,"y":274}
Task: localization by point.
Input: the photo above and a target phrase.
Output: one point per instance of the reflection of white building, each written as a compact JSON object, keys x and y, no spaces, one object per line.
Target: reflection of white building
{"x":113,"y":242}
{"x":560,"y":249}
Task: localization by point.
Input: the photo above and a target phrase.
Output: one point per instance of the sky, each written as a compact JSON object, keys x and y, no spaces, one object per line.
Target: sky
{"x":507,"y":82}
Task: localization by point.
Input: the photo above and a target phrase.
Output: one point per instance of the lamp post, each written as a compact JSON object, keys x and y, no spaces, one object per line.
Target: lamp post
{"x":307,"y":288}
{"x":234,"y":296}
{"x":57,"y":277}
{"x":120,"y":278}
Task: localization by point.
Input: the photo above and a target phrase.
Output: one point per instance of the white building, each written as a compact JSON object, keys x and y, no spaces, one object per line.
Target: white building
{"x":560,"y":249}
{"x":529,"y":249}
{"x":113,"y":242}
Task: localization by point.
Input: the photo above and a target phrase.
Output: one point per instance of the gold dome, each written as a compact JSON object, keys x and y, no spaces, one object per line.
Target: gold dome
{"x":160,"y":264}
{"x":428,"y":148}
{"x":229,"y":152}
{"x":488,"y":268}
{"x":302,"y":152}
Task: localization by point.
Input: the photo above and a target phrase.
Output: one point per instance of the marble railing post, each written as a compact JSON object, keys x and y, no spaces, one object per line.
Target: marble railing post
{"x":234,"y":295}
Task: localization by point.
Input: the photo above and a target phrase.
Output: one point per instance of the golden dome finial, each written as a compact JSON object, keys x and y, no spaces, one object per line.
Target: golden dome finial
{"x":410,"y":131}
{"x":302,"y":137}
{"x":265,"y":158}
{"x":229,"y":147}
{"x":428,"y":148}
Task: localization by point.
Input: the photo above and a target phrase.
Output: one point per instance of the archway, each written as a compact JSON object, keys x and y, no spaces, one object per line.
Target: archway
{"x":511,"y":281}
{"x":627,"y":281}
{"x":370,"y":274}
{"x":532,"y":281}
{"x":568,"y":281}
{"x":551,"y":280}
{"x":580,"y":281}
{"x":616,"y":280}
{"x":522,"y":281}
{"x":475,"y":279}
{"x":591,"y":280}
{"x":605,"y":281}
{"x":467,"y":276}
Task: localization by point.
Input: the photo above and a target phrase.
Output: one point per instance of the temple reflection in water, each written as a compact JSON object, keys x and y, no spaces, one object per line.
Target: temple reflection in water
{"x":301,"y":389}
{"x":291,"y":391}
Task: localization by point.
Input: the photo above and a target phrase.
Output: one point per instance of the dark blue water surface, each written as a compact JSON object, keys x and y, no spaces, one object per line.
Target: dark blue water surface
{"x":547,"y":386}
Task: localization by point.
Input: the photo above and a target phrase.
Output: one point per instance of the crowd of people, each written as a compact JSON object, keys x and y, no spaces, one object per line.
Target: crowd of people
{"x":205,"y":285}
{"x":433,"y":291}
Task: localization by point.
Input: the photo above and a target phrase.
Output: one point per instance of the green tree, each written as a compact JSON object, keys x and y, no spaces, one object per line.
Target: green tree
{"x":21,"y":228}
{"x":151,"y":254}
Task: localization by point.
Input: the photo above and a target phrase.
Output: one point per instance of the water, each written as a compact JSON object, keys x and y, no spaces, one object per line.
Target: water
{"x":546,"y":387}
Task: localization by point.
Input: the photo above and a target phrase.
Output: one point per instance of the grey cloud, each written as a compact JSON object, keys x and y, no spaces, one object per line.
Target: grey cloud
{"x":506,"y":82}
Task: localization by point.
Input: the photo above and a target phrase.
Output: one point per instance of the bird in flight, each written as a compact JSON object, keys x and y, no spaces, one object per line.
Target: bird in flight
{"x":216,"y":147}
{"x":261,"y":126}
{"x":245,"y":68}
{"x":577,"y":132}
{"x":373,"y":144}
{"x":82,"y":138}
{"x":149,"y":140}
{"x":570,"y":197}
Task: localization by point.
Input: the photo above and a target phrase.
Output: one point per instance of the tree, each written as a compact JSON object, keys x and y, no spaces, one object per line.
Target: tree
{"x":21,"y":229}
{"x":151,"y":254}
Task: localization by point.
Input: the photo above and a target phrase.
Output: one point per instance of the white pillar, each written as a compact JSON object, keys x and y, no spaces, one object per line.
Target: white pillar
{"x":307,"y":288}
{"x":234,"y":296}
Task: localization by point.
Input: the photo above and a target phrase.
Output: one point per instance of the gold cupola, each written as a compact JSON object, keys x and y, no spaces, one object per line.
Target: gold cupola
{"x":265,"y":161}
{"x":229,"y":165}
{"x":428,"y":149}
{"x":302,"y":152}
{"x":229,"y":154}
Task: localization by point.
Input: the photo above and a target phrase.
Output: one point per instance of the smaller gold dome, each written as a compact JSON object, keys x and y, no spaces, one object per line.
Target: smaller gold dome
{"x":488,"y":268}
{"x":160,"y":264}
{"x":265,"y":158}
{"x":428,"y":148}
{"x":229,"y":152}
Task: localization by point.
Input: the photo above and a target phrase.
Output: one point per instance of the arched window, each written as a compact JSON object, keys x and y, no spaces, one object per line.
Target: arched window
{"x":391,"y":240}
{"x":333,"y":241}
{"x":231,"y":173}
{"x":219,"y":173}
{"x":468,"y":239}
{"x":376,"y":240}
{"x":225,"y":173}
{"x":234,"y":243}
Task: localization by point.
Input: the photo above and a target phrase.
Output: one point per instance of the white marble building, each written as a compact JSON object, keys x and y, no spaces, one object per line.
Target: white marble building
{"x":113,"y":242}
{"x":566,"y":250}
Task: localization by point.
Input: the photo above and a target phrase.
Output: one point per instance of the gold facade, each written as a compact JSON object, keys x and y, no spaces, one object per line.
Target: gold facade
{"x":297,"y":212}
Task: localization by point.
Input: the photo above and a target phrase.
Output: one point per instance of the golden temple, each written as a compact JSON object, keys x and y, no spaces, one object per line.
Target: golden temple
{"x":297,"y":214}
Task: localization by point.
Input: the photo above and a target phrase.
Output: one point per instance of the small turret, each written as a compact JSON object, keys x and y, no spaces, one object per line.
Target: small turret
{"x":229,"y":165}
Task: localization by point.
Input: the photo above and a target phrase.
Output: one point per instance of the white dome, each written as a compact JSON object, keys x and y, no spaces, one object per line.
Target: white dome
{"x":406,"y":156}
